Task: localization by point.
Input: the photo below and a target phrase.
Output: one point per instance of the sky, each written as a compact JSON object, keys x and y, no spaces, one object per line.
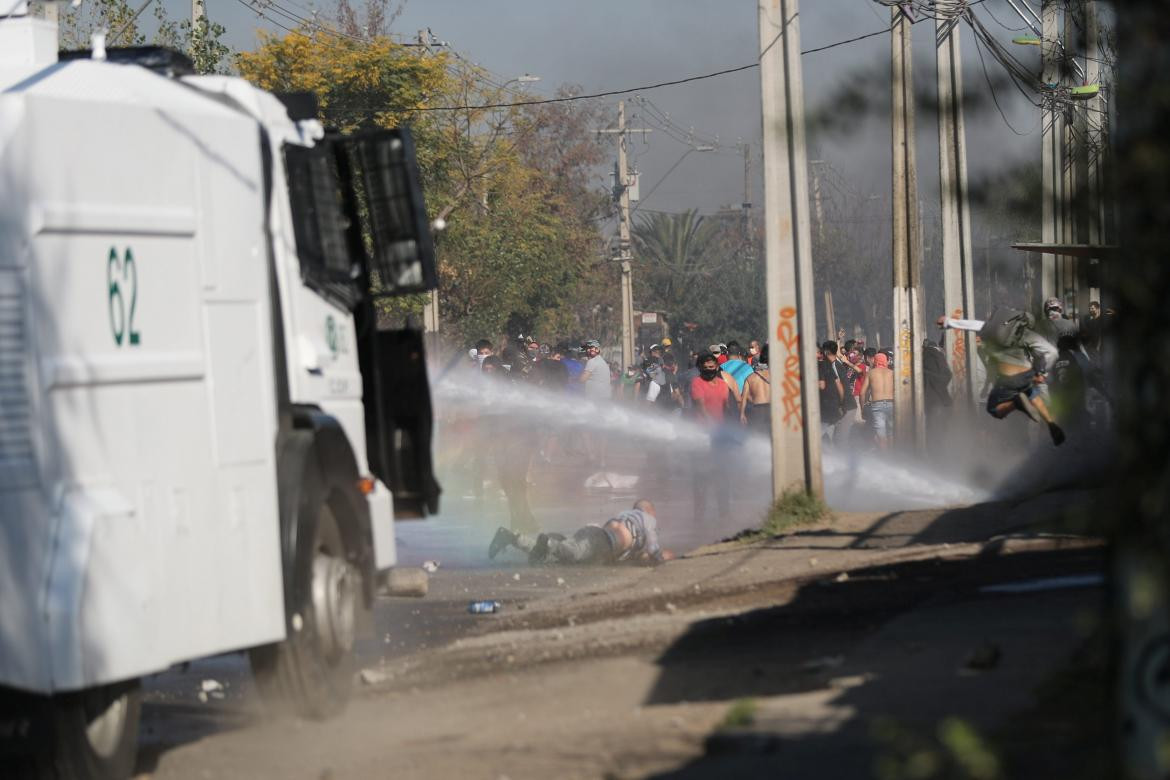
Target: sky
{"x":617,"y":44}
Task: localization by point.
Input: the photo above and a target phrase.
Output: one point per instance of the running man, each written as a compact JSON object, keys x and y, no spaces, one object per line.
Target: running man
{"x":631,"y":536}
{"x":1019,"y":356}
{"x":878,"y":385}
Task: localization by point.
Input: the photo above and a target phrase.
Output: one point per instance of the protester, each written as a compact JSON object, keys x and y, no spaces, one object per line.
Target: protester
{"x":631,"y":537}
{"x":670,"y":398}
{"x":1091,"y":329}
{"x":513,"y":443}
{"x":754,"y":351}
{"x":483,"y":349}
{"x":832,"y":391}
{"x":720,"y":353}
{"x":877,"y":393}
{"x":572,"y":365}
{"x":595,"y":375}
{"x":1055,"y":324}
{"x":596,"y":380}
{"x":736,"y":368}
{"x":936,"y":380}
{"x":755,"y":407}
{"x":709,"y":397}
{"x":1019,"y":356}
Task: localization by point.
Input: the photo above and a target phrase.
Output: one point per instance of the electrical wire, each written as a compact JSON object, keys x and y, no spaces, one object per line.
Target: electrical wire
{"x":643,"y":88}
{"x":995,"y":19}
{"x":994,"y":98}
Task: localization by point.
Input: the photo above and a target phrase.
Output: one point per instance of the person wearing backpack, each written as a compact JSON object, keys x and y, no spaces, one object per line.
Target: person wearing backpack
{"x":1020,"y":358}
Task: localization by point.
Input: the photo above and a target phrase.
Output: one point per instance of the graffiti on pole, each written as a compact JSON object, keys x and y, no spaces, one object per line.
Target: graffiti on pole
{"x":788,"y":341}
{"x":904,"y":352}
{"x":959,"y":356}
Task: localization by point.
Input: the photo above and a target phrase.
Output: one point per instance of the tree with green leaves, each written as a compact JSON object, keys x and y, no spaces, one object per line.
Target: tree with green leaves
{"x":704,"y":270}
{"x":202,"y":43}
{"x":510,"y":182}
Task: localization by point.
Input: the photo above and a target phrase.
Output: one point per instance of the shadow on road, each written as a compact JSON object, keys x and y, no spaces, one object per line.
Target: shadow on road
{"x":857,"y":665}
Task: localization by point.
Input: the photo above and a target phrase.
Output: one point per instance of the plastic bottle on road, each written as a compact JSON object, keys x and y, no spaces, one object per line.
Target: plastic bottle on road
{"x":483,"y":607}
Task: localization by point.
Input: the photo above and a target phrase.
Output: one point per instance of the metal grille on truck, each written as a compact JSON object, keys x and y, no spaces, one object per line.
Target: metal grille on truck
{"x":16,"y":447}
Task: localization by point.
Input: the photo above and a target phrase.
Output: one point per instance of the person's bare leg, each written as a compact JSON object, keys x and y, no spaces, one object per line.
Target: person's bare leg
{"x":1042,"y":408}
{"x":1054,"y":430}
{"x":1004,"y":409}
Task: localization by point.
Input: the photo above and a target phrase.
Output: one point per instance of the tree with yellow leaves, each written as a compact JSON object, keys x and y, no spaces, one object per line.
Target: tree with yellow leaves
{"x":521,"y":250}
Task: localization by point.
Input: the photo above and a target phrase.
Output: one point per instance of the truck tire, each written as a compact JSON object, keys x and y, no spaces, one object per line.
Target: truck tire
{"x":311,"y":672}
{"x":88,"y":735}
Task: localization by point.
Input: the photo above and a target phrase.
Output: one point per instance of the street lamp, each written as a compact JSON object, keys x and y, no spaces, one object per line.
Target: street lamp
{"x":527,"y":78}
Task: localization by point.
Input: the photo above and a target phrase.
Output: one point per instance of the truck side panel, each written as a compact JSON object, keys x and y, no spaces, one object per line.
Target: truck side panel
{"x":151,"y":534}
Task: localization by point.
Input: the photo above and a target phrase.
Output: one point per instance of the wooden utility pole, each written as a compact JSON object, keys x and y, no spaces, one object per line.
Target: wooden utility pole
{"x":909,"y":425}
{"x":625,"y":256}
{"x":957,"y":256}
{"x":796,"y":414}
{"x":1051,"y":134}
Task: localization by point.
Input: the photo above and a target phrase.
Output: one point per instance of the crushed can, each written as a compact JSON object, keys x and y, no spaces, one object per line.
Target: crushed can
{"x":483,"y":607}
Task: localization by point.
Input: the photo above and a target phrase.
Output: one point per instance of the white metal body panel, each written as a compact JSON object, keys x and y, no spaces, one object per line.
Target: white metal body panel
{"x":322,"y":351}
{"x":138,"y":509}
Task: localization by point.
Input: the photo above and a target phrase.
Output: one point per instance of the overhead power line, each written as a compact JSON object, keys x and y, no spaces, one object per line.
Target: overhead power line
{"x":572,"y":98}
{"x":642,"y":88}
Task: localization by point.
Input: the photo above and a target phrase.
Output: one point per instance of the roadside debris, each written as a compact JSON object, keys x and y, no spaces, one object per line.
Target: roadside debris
{"x":986,"y":656}
{"x":405,"y":582}
{"x":211,"y":689}
{"x":430,"y":567}
{"x":824,"y":662}
{"x":607,"y":479}
{"x":483,"y":607}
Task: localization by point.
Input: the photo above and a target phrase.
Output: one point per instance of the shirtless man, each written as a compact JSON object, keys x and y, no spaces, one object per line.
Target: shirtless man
{"x":878,"y":388}
{"x":631,"y":536}
{"x":755,"y":410}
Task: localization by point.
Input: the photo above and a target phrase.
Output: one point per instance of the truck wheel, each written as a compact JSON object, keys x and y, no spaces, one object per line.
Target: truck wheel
{"x":311,"y":672}
{"x":88,"y":735}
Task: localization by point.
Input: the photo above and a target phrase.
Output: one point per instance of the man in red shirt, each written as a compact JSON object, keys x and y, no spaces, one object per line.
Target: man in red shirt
{"x":708,"y":390}
{"x":709,"y":394}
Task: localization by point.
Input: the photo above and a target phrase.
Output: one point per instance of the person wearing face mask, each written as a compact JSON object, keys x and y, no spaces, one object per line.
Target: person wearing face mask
{"x":753,"y":355}
{"x":709,"y":394}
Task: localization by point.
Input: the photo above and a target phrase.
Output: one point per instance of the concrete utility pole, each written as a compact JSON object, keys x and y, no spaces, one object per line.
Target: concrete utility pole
{"x":957,"y":255}
{"x":1097,"y":131}
{"x":747,"y":178}
{"x":1051,"y":134}
{"x":909,"y":425}
{"x":1067,"y":273}
{"x":792,"y":323}
{"x":622,"y":191}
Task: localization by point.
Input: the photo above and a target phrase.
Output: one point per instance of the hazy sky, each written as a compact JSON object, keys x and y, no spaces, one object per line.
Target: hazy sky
{"x":608,"y":44}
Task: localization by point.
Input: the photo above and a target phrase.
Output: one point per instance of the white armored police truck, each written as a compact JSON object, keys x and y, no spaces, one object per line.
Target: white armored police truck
{"x":204,"y":437}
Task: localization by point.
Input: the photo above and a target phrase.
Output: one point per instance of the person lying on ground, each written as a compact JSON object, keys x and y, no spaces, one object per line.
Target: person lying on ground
{"x":632,"y":536}
{"x":1019,"y":356}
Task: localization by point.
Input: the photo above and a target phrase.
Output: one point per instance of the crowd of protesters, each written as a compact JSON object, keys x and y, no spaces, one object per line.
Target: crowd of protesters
{"x":723,"y":388}
{"x":1053,"y":375}
{"x":1051,"y":368}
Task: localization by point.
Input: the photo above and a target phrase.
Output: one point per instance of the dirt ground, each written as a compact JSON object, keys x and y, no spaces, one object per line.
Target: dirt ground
{"x":848,"y":649}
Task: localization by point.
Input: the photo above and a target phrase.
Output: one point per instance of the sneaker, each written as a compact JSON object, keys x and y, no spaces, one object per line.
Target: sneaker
{"x":1028,"y":408}
{"x":502,"y":539}
{"x":1057,"y":434}
{"x":539,"y":550}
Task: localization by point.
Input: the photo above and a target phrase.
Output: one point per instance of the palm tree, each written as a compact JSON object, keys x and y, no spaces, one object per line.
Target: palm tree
{"x":673,"y":255}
